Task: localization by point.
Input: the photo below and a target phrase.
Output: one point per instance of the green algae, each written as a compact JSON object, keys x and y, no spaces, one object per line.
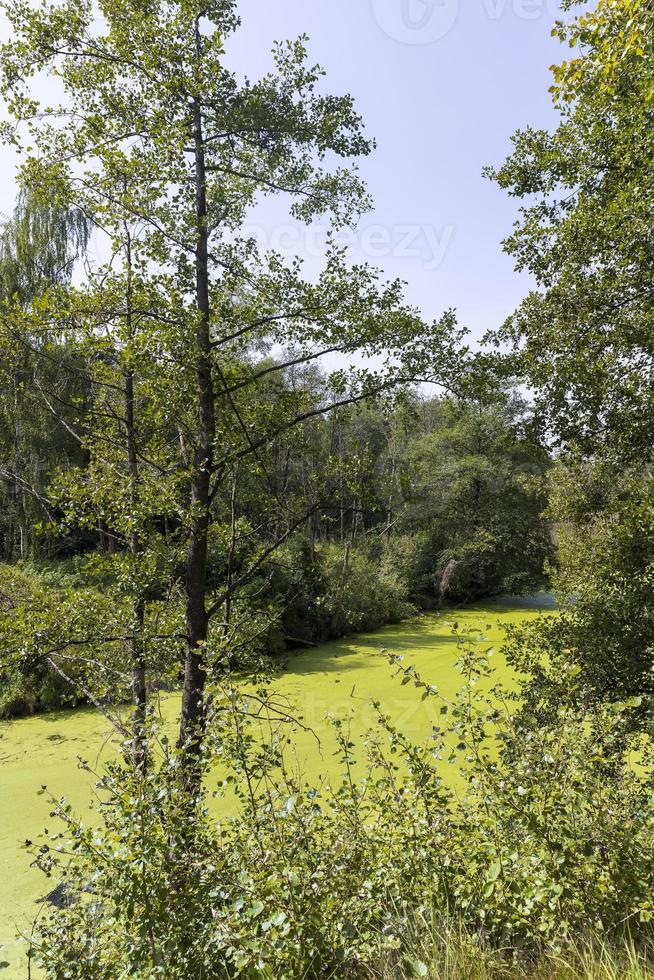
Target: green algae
{"x":338,"y":678}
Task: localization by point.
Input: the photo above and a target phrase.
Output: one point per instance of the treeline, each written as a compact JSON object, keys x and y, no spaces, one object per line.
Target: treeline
{"x":361,"y":516}
{"x":335,"y":498}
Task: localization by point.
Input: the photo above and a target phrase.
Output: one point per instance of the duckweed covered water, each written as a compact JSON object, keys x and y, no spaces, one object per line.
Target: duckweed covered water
{"x":339,"y":678}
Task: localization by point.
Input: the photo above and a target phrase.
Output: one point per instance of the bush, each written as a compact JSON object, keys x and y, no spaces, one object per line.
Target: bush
{"x":360,"y":593}
{"x":603,"y":582}
{"x":305,"y":595}
{"x":551,"y":840}
{"x":27,"y":683}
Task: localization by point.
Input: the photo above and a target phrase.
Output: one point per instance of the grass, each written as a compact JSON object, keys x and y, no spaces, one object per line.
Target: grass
{"x":339,"y":678}
{"x":446,"y":953}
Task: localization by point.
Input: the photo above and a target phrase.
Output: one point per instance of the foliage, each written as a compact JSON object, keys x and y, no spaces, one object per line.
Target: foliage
{"x":360,"y":594}
{"x":464,"y":488}
{"x":475,"y":493}
{"x":604,"y":631}
{"x":27,"y":684}
{"x":583,"y":342}
{"x":316,"y":880}
{"x":243,"y":498}
{"x":52,"y":621}
{"x":39,"y":246}
{"x":583,"y":339}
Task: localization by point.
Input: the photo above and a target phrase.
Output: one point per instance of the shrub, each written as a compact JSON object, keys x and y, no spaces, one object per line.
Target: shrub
{"x":552,"y":839}
{"x":27,"y":684}
{"x":603,"y":582}
{"x":361,"y":593}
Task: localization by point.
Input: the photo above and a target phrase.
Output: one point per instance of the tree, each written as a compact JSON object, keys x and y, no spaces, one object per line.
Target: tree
{"x":586,"y":336}
{"x":39,"y":246}
{"x":475,"y":495}
{"x":155,"y":133}
{"x":584,"y":342}
{"x":599,"y":648}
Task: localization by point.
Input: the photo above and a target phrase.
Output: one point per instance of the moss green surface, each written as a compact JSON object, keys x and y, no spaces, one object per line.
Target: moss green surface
{"x":339,"y":678}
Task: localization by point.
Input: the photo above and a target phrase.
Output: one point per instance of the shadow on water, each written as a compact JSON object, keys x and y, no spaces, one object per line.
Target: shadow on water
{"x":542,"y":600}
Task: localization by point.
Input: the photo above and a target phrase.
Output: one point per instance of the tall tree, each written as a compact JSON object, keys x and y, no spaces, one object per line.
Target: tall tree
{"x":584,"y":341}
{"x":586,"y":336}
{"x":39,"y":246}
{"x":153,"y":129}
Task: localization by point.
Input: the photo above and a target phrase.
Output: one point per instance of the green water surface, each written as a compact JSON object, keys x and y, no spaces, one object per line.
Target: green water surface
{"x":338,"y":678}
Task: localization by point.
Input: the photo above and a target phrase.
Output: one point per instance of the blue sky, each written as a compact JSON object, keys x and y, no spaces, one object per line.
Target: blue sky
{"x":441,"y":85}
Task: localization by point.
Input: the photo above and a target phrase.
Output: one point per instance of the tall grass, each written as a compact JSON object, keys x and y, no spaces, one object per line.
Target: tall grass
{"x":445,"y":952}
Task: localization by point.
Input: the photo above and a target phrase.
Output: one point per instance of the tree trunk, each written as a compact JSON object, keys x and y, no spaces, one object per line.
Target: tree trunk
{"x":19,"y":495}
{"x":389,"y":507}
{"x":230,"y":564}
{"x":137,"y":656}
{"x":197,"y":620}
{"x":137,"y":652}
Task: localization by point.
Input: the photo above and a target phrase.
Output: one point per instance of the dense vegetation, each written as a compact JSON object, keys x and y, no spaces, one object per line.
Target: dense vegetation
{"x":432,"y":500}
{"x":196,"y":477}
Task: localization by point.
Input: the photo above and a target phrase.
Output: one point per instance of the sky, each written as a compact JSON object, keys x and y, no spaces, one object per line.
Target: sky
{"x":441,"y":86}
